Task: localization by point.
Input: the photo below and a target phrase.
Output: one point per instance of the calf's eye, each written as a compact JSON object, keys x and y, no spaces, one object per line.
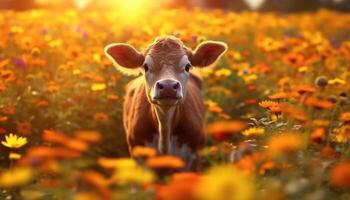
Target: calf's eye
{"x":188,"y":67}
{"x":145,"y":67}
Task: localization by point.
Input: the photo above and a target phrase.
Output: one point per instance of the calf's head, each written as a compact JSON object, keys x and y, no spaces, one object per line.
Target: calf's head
{"x":165,"y":64}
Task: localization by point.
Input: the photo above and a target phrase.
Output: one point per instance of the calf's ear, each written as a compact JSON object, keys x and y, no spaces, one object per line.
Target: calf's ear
{"x":125,"y":58}
{"x":207,"y":53}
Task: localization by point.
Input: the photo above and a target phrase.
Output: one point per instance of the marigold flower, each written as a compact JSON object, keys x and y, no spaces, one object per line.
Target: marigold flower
{"x":24,"y":127}
{"x":100,"y":117}
{"x":141,"y":151}
{"x":166,"y":161}
{"x":268,"y":104}
{"x":117,"y":162}
{"x":254,"y":131}
{"x":98,"y":181}
{"x":318,"y":135}
{"x":345,"y":117}
{"x":342,"y":134}
{"x":218,"y":183}
{"x":44,"y":152}
{"x":14,"y":156}
{"x":127,"y":171}
{"x":293,"y":112}
{"x":42,"y":103}
{"x":321,"y":122}
{"x":336,"y":81}
{"x":176,"y":189}
{"x":329,"y":153}
{"x":98,"y":86}
{"x":340,"y":175}
{"x":278,"y":96}
{"x":293,"y":59}
{"x":94,"y":178}
{"x":13,"y":141}
{"x":301,"y":89}
{"x":22,"y":176}
{"x":311,"y":101}
{"x":88,"y":136}
{"x":223,"y":72}
{"x":285,"y":143}
{"x":225,"y":127}
{"x":112,"y":97}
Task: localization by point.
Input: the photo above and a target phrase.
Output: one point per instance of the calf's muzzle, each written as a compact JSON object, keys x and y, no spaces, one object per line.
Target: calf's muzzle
{"x":168,"y":89}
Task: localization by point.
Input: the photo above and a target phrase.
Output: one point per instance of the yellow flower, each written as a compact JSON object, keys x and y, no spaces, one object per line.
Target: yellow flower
{"x":303,"y":69}
{"x":127,"y":171}
{"x":117,"y":162}
{"x":98,"y":86}
{"x":14,"y":156}
{"x":136,"y":175}
{"x":254,"y":131}
{"x":225,"y":182}
{"x":336,"y":81}
{"x":223,"y":72}
{"x":14,"y":141}
{"x":15,"y":177}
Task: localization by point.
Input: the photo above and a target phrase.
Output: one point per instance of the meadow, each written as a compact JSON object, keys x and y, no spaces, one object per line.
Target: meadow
{"x":277,"y":119}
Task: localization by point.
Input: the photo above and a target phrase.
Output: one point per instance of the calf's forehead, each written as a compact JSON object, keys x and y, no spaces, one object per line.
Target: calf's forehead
{"x":166,"y":56}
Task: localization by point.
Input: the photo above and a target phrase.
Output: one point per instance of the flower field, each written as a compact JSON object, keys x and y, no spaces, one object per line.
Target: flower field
{"x":277,"y":107}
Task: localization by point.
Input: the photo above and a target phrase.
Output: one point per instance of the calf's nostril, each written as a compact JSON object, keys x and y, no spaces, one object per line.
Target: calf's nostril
{"x":160,"y":86}
{"x":176,"y":86}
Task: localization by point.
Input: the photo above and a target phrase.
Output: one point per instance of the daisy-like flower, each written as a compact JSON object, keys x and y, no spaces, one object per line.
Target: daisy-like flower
{"x":254,"y":131}
{"x":13,"y":141}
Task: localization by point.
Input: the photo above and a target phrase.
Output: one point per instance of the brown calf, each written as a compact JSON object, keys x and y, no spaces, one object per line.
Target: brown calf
{"x":164,"y":106}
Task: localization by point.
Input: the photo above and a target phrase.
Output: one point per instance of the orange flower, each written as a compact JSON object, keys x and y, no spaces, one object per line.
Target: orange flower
{"x":2,"y":87}
{"x":340,"y":175}
{"x":321,"y":122}
{"x":100,"y":117}
{"x":8,"y":75}
{"x":24,"y":127}
{"x":225,"y":127}
{"x":215,"y":109}
{"x":272,"y":106}
{"x":311,"y":101}
{"x":293,"y":112}
{"x":301,"y":89}
{"x":176,"y":189}
{"x":166,"y":161}
{"x":278,"y":96}
{"x":247,"y":164}
{"x":345,"y":117}
{"x":88,"y":136}
{"x":94,"y":178}
{"x":54,"y":137}
{"x":53,"y":87}
{"x":60,"y":138}
{"x":141,"y":151}
{"x":266,"y":167}
{"x":318,"y":135}
{"x":112,"y":97}
{"x":285,"y":143}
{"x":3,"y":118}
{"x":98,"y":181}
{"x":329,"y":153}
{"x":268,"y":104}
{"x":51,"y":152}
{"x":293,"y":59}
{"x":42,"y":103}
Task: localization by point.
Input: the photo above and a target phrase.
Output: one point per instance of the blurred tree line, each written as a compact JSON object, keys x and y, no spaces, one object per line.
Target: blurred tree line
{"x":235,"y":5}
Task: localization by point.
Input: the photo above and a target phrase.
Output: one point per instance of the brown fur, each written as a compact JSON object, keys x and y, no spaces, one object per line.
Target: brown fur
{"x":140,"y":120}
